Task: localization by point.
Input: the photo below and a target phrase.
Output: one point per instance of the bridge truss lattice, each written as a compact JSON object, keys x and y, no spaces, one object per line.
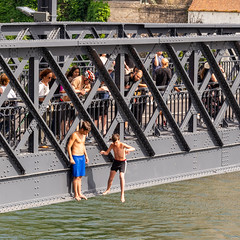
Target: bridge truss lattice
{"x":28,"y":47}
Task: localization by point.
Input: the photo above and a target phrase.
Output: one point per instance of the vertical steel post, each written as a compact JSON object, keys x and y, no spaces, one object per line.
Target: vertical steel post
{"x":33,"y":94}
{"x":193,"y":74}
{"x":119,"y":80}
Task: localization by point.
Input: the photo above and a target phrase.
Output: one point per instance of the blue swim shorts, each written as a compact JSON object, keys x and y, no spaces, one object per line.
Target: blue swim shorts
{"x":78,"y":169}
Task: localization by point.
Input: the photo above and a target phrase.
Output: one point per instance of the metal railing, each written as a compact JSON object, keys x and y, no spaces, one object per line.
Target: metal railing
{"x":59,"y":116}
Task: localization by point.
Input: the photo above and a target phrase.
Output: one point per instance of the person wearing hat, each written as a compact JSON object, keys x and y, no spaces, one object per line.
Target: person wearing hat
{"x":82,"y":84}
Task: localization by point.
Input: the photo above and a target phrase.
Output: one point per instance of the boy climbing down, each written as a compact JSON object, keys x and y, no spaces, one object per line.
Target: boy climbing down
{"x":120,"y":150}
{"x":78,"y":157}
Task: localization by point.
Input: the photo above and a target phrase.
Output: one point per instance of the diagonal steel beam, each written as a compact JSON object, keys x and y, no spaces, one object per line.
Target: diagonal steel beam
{"x":194,"y":96}
{"x":127,"y":99}
{"x":86,"y":103}
{"x":221,"y":80}
{"x":14,"y":82}
{"x":33,"y":124}
{"x":161,"y":104}
{"x":234,"y":88}
{"x":200,"y":92}
{"x":165,"y":95}
{"x":90,"y":96}
{"x":11,"y":154}
{"x":122,"y":105}
{"x":73,"y":97}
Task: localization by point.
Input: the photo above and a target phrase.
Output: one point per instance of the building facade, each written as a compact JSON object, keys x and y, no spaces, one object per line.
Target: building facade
{"x":214,"y":11}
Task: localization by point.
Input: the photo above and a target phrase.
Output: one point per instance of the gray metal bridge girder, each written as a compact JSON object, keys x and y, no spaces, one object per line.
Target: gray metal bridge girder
{"x":150,"y":29}
{"x":101,"y":42}
{"x":161,"y":105}
{"x":222,"y":81}
{"x":33,"y":110}
{"x":193,"y":93}
{"x":121,"y":103}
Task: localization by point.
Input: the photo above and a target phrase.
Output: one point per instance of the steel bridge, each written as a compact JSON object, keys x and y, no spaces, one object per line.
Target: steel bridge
{"x":194,"y":140}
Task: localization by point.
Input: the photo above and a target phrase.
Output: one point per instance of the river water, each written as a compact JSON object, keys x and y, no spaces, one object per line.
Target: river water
{"x":206,"y":208}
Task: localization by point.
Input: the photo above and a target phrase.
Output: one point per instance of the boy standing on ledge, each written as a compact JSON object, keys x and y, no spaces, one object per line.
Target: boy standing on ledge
{"x":120,"y":150}
{"x":78,"y":157}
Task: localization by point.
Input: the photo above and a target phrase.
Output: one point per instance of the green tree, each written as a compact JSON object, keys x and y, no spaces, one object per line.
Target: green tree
{"x":9,"y":13}
{"x":68,"y":10}
{"x":83,"y":10}
{"x":98,"y":11}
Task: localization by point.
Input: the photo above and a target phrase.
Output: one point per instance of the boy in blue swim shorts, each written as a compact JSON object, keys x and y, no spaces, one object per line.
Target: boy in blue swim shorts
{"x":78,"y":158}
{"x":119,"y":164}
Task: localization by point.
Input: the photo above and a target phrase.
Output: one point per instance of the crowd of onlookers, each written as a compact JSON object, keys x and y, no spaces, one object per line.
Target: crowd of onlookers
{"x":82,"y":83}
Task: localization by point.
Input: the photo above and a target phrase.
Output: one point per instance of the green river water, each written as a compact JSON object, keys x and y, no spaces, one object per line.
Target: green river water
{"x":206,"y":208}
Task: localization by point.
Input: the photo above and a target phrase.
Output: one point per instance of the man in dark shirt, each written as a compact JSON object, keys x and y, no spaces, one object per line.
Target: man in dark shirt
{"x":156,"y":62}
{"x":163,"y":75}
{"x":133,"y":77}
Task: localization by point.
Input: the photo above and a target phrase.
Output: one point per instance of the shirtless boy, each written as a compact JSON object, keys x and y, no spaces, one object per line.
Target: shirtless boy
{"x":78,"y":157}
{"x":120,"y":150}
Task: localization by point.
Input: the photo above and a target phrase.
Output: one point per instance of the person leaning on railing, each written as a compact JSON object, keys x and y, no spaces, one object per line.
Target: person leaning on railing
{"x":211,"y":99}
{"x":101,"y":108}
{"x":5,"y":113}
{"x":67,"y":112}
{"x":46,"y":76}
{"x":138,"y":104}
{"x":156,"y":62}
{"x":81,"y":85}
{"x":163,"y":75}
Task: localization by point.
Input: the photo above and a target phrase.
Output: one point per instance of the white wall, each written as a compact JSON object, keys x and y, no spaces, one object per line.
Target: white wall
{"x":213,"y":17}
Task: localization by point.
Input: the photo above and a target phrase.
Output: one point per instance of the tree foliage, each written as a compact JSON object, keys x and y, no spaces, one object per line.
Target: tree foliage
{"x":68,"y":10}
{"x":83,"y":10}
{"x":98,"y":11}
{"x":9,"y":13}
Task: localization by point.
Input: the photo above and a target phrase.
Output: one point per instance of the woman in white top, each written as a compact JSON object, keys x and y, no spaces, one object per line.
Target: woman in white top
{"x":45,"y":76}
{"x":4,"y":80}
{"x":5,"y":114}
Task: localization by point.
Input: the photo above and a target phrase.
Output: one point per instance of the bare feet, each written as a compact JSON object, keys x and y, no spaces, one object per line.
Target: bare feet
{"x":82,"y":196}
{"x":122,"y":199}
{"x":106,"y":192}
{"x":77,"y":198}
